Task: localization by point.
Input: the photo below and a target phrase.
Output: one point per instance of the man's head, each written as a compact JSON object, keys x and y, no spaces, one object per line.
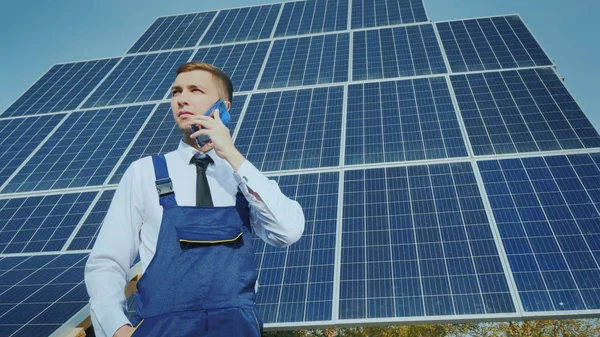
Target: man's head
{"x":197,"y":86}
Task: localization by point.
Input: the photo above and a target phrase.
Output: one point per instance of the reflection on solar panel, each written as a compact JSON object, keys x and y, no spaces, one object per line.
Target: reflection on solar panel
{"x":42,"y":293}
{"x":161,"y":135}
{"x":293,"y":129}
{"x":20,"y":137}
{"x":417,"y":242}
{"x":241,"y":62}
{"x":373,"y":13}
{"x":521,"y":111}
{"x":490,"y":43}
{"x":138,"y":79}
{"x":62,"y":88}
{"x":87,"y":233}
{"x":362,"y":117}
{"x":305,"y":17}
{"x":296,"y":283}
{"x":401,"y":121}
{"x":396,"y":52}
{"x":306,"y":61}
{"x":546,"y":209}
{"x":40,"y":224}
{"x":64,"y":160}
{"x":242,"y":24}
{"x":172,"y":32}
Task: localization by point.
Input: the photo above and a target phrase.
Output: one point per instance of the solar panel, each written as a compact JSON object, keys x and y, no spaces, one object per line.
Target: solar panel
{"x":242,"y":24}
{"x":293,"y":129}
{"x":88,"y":232}
{"x":307,"y":60}
{"x":43,"y":292}
{"x":521,"y":111}
{"x":41,"y":223}
{"x":369,"y":13}
{"x":20,"y":137}
{"x":401,"y":121}
{"x":296,"y":283}
{"x":417,"y":242}
{"x":242,"y":62}
{"x":396,"y":52}
{"x":161,"y":135}
{"x":64,"y":160}
{"x":139,"y":78}
{"x":546,"y":210}
{"x":62,"y":88}
{"x":312,"y":16}
{"x":173,"y":32}
{"x":445,"y":171}
{"x":490,"y":43}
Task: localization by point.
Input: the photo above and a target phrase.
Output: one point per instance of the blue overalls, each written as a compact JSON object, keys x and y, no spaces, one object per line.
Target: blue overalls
{"x":201,"y":279}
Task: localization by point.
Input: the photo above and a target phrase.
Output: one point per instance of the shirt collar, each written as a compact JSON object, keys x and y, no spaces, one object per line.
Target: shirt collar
{"x":186,"y":153}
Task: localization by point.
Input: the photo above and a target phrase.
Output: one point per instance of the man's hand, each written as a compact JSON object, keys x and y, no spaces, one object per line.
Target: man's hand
{"x":219,"y":138}
{"x":124,"y":331}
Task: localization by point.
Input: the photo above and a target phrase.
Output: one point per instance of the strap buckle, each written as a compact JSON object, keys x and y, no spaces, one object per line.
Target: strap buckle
{"x":164,"y":186}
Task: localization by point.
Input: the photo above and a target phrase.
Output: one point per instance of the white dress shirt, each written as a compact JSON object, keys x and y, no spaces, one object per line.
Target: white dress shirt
{"x":133,"y":220}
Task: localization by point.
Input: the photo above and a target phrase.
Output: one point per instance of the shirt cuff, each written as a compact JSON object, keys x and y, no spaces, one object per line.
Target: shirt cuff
{"x":249,"y":176}
{"x":112,"y":320}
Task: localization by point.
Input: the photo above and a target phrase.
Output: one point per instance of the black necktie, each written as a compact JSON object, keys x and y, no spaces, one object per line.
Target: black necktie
{"x":203,"y":197}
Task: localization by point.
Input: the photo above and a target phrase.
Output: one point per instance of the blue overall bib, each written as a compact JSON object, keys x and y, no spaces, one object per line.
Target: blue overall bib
{"x":201,"y":279}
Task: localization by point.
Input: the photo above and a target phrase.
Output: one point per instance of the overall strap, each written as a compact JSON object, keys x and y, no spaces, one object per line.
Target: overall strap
{"x":164,"y":186}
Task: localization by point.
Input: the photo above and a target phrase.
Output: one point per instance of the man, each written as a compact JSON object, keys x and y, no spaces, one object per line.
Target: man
{"x":199,"y":272}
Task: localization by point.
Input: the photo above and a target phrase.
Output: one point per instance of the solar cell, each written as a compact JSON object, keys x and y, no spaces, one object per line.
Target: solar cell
{"x":20,"y":137}
{"x":139,"y":78}
{"x":242,"y":62}
{"x":293,"y":129}
{"x":490,"y":43}
{"x":88,"y":232}
{"x":521,"y":111}
{"x":372,"y":13}
{"x":396,"y":52}
{"x":296,"y":283}
{"x":43,"y":296}
{"x":417,"y":242}
{"x":546,"y":210}
{"x":242,"y":24}
{"x":173,"y":32}
{"x":82,"y":151}
{"x":41,"y":223}
{"x":62,"y":88}
{"x":312,"y":16}
{"x":307,"y":60}
{"x":401,"y":121}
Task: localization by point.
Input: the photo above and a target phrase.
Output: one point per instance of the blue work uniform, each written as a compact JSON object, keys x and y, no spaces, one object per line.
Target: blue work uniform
{"x":201,"y":279}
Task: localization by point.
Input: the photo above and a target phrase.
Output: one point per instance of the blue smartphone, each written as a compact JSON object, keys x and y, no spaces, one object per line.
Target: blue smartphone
{"x":223,"y":113}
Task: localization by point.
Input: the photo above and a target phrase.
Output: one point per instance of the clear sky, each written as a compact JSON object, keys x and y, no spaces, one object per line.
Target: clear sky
{"x":34,"y":35}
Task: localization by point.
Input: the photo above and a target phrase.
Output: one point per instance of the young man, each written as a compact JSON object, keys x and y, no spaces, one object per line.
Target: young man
{"x":199,"y":272}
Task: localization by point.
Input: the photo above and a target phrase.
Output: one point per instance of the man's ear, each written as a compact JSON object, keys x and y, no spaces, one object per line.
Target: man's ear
{"x":227,"y":104}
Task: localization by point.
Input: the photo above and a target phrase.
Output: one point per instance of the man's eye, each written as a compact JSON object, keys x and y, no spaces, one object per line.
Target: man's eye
{"x":197,"y":90}
{"x":175,"y":92}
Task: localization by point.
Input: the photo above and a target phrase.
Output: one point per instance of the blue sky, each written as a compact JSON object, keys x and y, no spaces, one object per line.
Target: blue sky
{"x":36,"y":35}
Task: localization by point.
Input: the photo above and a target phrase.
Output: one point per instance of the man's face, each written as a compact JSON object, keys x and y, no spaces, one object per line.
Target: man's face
{"x":192,"y":94}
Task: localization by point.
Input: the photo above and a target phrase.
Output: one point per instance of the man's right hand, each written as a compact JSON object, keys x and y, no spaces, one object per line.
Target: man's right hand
{"x":124,"y":331}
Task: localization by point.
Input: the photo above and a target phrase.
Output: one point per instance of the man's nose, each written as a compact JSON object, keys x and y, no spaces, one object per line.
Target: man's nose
{"x":182,"y":99}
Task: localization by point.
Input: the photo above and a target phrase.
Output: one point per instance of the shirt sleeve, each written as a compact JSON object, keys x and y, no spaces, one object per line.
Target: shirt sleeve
{"x":276,"y":219}
{"x":115,"y":249}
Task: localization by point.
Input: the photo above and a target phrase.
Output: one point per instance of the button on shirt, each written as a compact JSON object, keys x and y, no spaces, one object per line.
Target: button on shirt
{"x":133,"y":220}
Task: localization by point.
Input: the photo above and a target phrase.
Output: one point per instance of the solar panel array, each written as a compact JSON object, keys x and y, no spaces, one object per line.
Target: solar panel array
{"x":444,"y":169}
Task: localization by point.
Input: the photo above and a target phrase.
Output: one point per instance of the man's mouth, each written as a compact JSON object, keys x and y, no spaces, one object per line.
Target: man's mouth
{"x":184,"y":112}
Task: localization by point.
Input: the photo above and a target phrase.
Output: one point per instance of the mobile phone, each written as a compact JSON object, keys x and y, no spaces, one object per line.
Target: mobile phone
{"x":223,"y":114}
